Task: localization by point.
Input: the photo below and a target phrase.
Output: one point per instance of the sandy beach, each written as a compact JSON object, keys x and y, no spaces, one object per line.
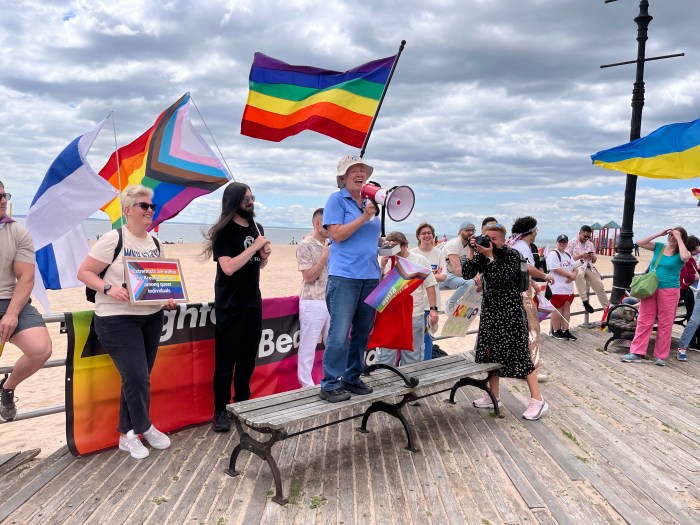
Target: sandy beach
{"x":280,"y":278}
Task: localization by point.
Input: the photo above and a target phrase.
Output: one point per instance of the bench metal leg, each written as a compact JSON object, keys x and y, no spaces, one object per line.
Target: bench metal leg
{"x":262,"y":449}
{"x":392,"y":410}
{"x":483,"y":384}
{"x":410,"y":382}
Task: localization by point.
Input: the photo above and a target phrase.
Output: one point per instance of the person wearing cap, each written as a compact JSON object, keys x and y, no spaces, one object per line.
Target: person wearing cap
{"x":424,"y":298}
{"x":563,"y":267}
{"x":453,"y":254}
{"x":20,"y":322}
{"x":581,"y":249}
{"x":353,"y":273}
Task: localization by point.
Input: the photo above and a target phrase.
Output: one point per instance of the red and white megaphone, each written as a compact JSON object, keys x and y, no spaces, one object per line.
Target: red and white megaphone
{"x":398,"y":201}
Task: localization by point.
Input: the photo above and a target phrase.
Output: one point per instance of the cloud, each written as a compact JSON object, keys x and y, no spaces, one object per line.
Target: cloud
{"x":495,"y":106}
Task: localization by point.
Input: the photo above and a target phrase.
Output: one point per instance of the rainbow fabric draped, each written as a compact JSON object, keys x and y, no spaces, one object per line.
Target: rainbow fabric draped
{"x":670,"y":152}
{"x":172,"y":159}
{"x":403,"y":278}
{"x":285,"y":100}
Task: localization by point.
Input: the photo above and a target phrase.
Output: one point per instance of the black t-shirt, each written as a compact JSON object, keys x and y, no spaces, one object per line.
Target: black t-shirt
{"x":242,"y":289}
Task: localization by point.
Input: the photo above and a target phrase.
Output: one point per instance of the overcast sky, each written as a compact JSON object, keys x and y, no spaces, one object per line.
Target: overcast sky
{"x":494,"y":109}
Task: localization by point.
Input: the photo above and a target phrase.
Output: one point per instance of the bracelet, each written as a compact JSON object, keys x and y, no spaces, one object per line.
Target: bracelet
{"x":434,"y":308}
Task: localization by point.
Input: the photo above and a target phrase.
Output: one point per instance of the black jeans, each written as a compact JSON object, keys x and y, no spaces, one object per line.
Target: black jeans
{"x":132,"y":342}
{"x":238,"y":332}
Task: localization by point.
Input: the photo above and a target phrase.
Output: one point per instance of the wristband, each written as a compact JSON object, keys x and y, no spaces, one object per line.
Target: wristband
{"x":434,"y":308}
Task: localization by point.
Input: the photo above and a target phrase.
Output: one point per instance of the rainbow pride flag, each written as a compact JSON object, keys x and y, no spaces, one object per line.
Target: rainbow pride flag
{"x":172,"y":159}
{"x":670,"y":152}
{"x":404,"y":277}
{"x":284,"y":100}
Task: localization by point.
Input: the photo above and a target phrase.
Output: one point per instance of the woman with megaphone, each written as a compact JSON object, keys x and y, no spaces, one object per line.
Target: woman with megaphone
{"x":353,"y":273}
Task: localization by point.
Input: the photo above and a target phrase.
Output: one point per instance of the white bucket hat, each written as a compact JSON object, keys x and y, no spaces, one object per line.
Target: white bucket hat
{"x":348,"y":161}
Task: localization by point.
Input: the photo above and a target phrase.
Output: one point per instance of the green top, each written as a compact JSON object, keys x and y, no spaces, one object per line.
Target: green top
{"x":669,"y":269}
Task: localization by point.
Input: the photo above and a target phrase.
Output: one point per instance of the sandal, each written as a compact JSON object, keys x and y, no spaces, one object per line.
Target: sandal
{"x":680,"y":355}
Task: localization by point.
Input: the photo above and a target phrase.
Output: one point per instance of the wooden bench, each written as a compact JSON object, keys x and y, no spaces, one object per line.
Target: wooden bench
{"x":622,"y":321}
{"x":274,"y":415}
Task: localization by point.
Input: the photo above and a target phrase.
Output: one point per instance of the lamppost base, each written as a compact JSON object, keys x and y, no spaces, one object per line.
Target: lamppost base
{"x":623,"y":272}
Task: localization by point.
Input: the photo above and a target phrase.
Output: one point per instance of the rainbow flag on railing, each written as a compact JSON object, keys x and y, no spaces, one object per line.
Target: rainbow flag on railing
{"x":285,"y":99}
{"x":404,"y":277}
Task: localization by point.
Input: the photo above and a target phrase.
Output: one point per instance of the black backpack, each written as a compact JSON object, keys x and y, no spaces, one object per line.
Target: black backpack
{"x":90,"y":294}
{"x":523,"y":277}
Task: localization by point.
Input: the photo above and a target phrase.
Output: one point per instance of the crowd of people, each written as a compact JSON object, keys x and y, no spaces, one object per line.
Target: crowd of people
{"x":339,"y":267}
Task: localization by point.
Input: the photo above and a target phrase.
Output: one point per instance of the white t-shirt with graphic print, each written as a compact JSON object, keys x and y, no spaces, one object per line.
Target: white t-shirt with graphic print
{"x":103,"y":251}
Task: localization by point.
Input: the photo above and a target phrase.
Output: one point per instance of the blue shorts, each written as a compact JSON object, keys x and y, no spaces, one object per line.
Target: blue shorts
{"x":29,"y":317}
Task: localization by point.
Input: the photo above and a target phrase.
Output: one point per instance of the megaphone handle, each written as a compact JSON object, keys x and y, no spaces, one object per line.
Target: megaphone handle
{"x":383,"y":220}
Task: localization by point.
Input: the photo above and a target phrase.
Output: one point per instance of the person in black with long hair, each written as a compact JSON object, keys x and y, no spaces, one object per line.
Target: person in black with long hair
{"x":239,"y":247}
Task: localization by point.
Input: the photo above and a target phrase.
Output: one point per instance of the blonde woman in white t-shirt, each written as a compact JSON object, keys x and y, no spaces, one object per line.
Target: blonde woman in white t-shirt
{"x":129,"y":333}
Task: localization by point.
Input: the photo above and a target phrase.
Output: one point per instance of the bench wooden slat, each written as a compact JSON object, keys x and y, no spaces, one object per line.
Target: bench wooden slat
{"x":295,"y":407}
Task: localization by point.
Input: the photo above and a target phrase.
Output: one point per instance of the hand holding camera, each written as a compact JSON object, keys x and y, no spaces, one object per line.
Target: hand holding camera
{"x":482,"y":243}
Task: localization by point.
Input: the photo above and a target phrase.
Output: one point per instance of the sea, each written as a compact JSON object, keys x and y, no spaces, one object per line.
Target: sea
{"x":188,"y":232}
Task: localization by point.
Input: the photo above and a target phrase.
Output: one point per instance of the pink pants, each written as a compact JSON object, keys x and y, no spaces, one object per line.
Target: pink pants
{"x":661,"y":304}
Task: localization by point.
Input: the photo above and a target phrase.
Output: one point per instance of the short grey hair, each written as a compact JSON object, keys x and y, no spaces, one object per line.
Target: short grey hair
{"x":131,"y":193}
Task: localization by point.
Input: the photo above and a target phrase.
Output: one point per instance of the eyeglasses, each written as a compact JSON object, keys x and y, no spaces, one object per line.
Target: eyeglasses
{"x":469,"y":229}
{"x":586,"y":236}
{"x":426,"y":233}
{"x":6,"y":196}
{"x":145,"y":206}
{"x":247,"y":199}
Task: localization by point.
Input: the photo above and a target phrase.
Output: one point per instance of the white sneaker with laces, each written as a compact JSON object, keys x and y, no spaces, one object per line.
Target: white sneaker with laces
{"x":156,"y":438}
{"x":485,"y":402}
{"x":535,"y":409}
{"x":131,"y":443}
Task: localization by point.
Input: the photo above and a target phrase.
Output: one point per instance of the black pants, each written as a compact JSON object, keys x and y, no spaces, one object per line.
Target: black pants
{"x":132,"y":342}
{"x":238,"y":332}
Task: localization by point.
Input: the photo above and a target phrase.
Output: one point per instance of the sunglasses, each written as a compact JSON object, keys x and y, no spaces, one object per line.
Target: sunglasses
{"x":586,"y":236}
{"x":6,"y":196}
{"x":247,"y":199}
{"x":145,"y":206}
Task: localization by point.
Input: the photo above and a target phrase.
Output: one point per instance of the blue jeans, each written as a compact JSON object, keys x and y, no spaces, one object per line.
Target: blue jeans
{"x":343,"y":359}
{"x":427,"y":340}
{"x":456,"y":283}
{"x":690,"y":327}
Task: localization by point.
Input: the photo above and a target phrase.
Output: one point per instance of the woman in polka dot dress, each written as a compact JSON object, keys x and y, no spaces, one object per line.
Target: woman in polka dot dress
{"x":503,"y":330}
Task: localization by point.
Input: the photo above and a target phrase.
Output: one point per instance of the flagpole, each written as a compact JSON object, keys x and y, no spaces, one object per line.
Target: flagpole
{"x":230,"y":173}
{"x":119,"y":171}
{"x":381,"y":99}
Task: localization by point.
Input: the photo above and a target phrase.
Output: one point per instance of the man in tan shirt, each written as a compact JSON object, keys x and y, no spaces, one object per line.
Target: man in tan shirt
{"x":20,"y":323}
{"x":314,"y":319}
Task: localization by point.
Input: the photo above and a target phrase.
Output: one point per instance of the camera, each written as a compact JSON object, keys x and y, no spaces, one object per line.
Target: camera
{"x":483,"y":240}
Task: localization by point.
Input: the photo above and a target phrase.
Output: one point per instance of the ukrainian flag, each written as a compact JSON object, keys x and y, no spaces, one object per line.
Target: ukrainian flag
{"x":670,"y":152}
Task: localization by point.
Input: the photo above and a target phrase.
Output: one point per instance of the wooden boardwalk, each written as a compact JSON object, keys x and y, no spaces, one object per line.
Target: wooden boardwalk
{"x":621,"y":444}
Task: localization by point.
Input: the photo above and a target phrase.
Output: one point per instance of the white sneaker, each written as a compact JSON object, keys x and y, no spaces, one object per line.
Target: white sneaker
{"x":156,"y":438}
{"x":535,"y":409}
{"x":131,"y":443}
{"x":485,"y":402}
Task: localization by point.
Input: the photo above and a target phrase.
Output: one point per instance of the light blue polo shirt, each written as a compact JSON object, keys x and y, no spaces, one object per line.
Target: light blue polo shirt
{"x":355,"y":257}
{"x":669,"y":269}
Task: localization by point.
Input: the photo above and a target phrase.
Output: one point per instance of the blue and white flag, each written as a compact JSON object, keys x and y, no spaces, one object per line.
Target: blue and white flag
{"x":70,"y":192}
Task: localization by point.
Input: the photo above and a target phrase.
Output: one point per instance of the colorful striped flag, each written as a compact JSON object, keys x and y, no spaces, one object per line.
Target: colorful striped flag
{"x":670,"y":152}
{"x":696,"y":194}
{"x":172,"y":159}
{"x":404,"y":277}
{"x":285,"y":100}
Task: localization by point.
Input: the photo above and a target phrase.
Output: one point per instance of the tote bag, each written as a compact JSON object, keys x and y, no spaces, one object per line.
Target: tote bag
{"x":645,"y":285}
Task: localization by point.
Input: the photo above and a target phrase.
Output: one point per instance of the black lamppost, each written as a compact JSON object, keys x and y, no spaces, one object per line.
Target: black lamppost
{"x":623,"y":261}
